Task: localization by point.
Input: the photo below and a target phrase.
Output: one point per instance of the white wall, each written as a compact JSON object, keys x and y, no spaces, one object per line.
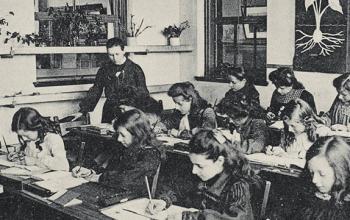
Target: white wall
{"x":280,"y":51}
{"x":18,"y":73}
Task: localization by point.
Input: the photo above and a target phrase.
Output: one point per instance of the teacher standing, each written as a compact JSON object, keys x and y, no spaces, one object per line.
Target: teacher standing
{"x":114,"y":76}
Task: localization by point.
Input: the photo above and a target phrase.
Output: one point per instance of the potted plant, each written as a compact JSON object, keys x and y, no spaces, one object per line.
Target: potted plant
{"x":172,"y":33}
{"x":135,"y":31}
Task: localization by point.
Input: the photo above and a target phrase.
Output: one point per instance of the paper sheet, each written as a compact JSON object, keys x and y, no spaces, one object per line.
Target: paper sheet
{"x":53,"y":175}
{"x":55,"y":185}
{"x":21,"y":170}
{"x":275,"y":160}
{"x":120,"y":211}
{"x":278,"y":125}
{"x":172,"y":140}
{"x":5,"y":162}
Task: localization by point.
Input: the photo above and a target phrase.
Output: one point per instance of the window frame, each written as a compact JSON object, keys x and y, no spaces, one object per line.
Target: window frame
{"x":213,"y":31}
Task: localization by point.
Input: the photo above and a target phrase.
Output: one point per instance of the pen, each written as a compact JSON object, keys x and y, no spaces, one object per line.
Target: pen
{"x":148,"y":189}
{"x":6,"y":145}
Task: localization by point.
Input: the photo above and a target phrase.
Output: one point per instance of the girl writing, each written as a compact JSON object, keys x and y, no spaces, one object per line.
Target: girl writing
{"x":39,"y":139}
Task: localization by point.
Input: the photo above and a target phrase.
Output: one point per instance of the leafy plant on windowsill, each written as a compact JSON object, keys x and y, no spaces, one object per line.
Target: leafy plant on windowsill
{"x":175,"y":31}
{"x":135,"y":30}
{"x":15,"y":35}
{"x":72,"y":26}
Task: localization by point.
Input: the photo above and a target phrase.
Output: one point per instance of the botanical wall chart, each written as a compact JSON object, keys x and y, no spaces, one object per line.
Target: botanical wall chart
{"x":321,"y":35}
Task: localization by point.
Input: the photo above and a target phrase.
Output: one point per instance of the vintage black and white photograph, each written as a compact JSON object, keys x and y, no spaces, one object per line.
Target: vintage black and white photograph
{"x":175,"y":109}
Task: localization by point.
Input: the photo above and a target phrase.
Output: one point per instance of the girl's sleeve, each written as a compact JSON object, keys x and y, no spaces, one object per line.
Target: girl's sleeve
{"x":134,"y":174}
{"x":237,"y":205}
{"x":309,"y":98}
{"x":327,"y":116}
{"x":56,"y":158}
{"x":256,"y":139}
{"x":209,"y":118}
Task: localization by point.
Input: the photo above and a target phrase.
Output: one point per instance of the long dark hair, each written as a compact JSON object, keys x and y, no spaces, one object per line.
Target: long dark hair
{"x":213,"y":144}
{"x":136,"y":122}
{"x":240,"y":107}
{"x":305,"y":115}
{"x":284,"y":76}
{"x":30,"y":119}
{"x":187,"y":90}
{"x":337,"y":153}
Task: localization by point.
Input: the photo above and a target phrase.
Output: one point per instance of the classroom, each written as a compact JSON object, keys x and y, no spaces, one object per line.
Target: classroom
{"x":174,"y":109}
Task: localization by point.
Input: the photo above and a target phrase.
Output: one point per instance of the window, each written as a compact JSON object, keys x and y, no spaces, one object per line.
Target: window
{"x":75,"y":23}
{"x":235,"y":35}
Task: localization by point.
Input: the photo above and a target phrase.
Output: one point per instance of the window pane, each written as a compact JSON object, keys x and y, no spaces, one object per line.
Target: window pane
{"x":231,"y":8}
{"x":63,"y":67}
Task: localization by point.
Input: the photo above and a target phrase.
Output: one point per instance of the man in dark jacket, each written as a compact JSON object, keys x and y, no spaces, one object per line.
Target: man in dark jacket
{"x":119,"y":72}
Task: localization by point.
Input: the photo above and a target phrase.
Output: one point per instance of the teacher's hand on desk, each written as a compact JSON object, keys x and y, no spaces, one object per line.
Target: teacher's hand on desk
{"x":155,"y":206}
{"x":339,"y":127}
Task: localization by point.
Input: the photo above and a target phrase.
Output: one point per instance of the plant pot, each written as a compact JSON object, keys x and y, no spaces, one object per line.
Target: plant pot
{"x":131,"y":41}
{"x":175,"y":41}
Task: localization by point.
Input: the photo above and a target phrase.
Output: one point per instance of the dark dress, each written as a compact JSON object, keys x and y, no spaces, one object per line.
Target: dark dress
{"x":250,"y":92}
{"x":278,"y":101}
{"x":254,"y":136}
{"x":201,"y":117}
{"x":128,"y":169}
{"x":130,"y":74}
{"x":225,"y":196}
{"x":313,"y":208}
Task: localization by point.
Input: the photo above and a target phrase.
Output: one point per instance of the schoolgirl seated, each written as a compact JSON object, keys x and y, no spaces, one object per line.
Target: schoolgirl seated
{"x":192,"y":111}
{"x":253,"y":134}
{"x":328,"y":162}
{"x":226,"y":180}
{"x":302,"y":128}
{"x":338,"y":117}
{"x":41,"y":144}
{"x":147,"y":105}
{"x":242,"y":86}
{"x":139,"y":157}
{"x":287,"y":89}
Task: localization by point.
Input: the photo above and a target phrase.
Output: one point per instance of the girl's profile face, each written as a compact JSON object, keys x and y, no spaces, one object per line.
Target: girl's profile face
{"x":235,"y":83}
{"x":206,"y":168}
{"x":283,"y":89}
{"x":295,"y":124}
{"x":344,"y":95}
{"x":183,"y":105}
{"x":28,"y":135}
{"x":322,"y":173}
{"x":124,"y":136}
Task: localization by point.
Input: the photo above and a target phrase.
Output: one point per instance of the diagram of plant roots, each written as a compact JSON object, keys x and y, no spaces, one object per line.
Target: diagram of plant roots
{"x":327,"y":42}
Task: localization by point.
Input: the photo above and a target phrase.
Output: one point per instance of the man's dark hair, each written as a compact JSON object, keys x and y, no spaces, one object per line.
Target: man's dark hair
{"x":114,"y":42}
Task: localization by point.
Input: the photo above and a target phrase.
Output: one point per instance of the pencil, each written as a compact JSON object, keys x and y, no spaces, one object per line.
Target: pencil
{"x":148,"y":189}
{"x":6,"y":145}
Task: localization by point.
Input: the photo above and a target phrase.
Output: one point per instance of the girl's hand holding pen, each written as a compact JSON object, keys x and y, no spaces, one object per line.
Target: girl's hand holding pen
{"x":80,"y":171}
{"x":155,"y":206}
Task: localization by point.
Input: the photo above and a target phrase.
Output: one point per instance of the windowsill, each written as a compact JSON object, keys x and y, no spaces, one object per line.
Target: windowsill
{"x":37,"y":97}
{"x":93,"y":49}
{"x":222,"y":80}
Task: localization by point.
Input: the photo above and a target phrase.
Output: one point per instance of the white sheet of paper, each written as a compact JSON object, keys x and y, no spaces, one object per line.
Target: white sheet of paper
{"x":5,"y":162}
{"x":55,"y":185}
{"x":120,"y":211}
{"x":53,"y":175}
{"x":172,"y":140}
{"x":275,"y":160}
